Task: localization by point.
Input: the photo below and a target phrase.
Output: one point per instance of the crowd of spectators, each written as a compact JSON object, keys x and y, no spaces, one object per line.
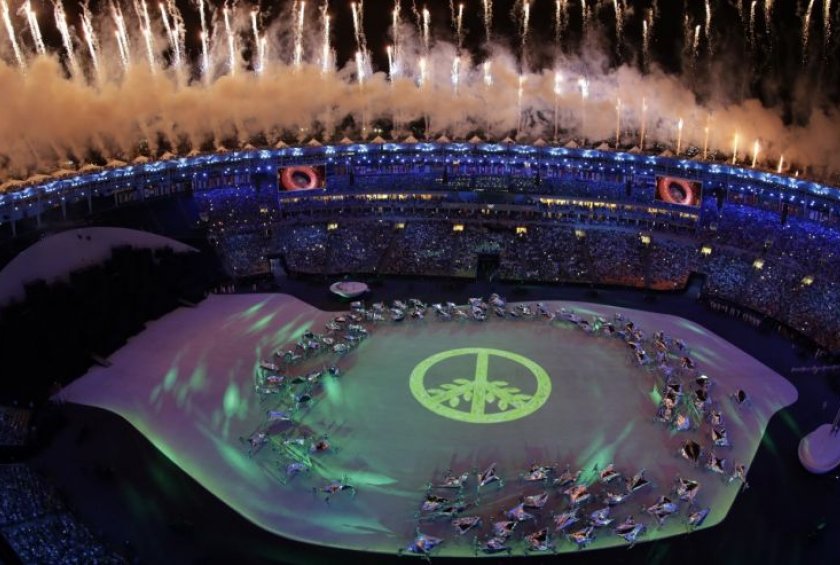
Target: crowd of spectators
{"x":14,"y":426}
{"x":37,"y":525}
{"x":758,"y":258}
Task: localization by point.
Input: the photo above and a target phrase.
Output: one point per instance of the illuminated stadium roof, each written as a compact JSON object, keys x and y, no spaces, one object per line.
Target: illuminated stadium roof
{"x":15,"y":191}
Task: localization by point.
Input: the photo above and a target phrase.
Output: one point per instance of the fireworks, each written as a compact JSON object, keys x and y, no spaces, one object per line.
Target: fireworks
{"x":426,"y":77}
{"x":66,"y":39}
{"x":299,"y":15}
{"x":231,"y":41}
{"x":488,"y":19}
{"x":679,"y":135}
{"x":326,"y":48}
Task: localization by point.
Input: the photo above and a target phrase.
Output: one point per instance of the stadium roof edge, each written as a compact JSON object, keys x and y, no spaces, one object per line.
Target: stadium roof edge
{"x":14,"y":190}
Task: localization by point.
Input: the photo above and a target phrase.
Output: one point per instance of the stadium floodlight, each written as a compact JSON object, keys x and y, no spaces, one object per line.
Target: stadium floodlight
{"x":758,"y":263}
{"x":807,"y":280}
{"x":458,"y":227}
{"x":706,"y":250}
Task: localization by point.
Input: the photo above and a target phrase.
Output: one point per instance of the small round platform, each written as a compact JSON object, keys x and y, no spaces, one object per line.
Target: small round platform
{"x":819,"y":451}
{"x":349,"y":289}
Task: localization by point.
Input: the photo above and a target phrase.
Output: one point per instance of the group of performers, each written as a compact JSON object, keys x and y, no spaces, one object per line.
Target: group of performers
{"x":574,"y":506}
{"x":554,"y":504}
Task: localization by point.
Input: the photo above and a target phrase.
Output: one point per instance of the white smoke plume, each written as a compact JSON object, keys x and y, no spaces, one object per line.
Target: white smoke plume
{"x":47,"y":117}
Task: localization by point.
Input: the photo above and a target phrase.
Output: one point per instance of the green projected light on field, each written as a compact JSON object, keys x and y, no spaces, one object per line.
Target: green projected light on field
{"x":480,"y":393}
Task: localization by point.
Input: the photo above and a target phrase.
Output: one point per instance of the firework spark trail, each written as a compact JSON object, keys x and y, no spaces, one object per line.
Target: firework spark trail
{"x":768,"y":16}
{"x":457,"y":19}
{"x":583,"y":85}
{"x":584,"y":15}
{"x":619,"y":23}
{"x":34,"y":28}
{"x":205,"y":43}
{"x":695,"y":47}
{"x":389,"y":51}
{"x":460,"y":26}
{"x":326,"y":47}
{"x":10,"y":31}
{"x":526,"y":22}
{"x":358,"y":10}
{"x":752,"y":23}
{"x":706,"y":131}
{"x":66,"y":39}
{"x":421,"y":80}
{"x":299,"y":18}
{"x":91,"y":41}
{"x":230,"y":34}
{"x":488,"y":73}
{"x":142,"y":11}
{"x":360,"y":67}
{"x":262,"y":52}
{"x":171,"y":35}
{"x":560,"y":12}
{"x":806,"y":30}
{"x":259,"y":45}
{"x":396,"y":23}
{"x":643,"y":126}
{"x":756,"y":149}
{"x":826,"y":23}
{"x":688,"y":37}
{"x":488,"y":19}
{"x":708,"y":28}
{"x":679,"y":136}
{"x":173,"y":23}
{"x":456,"y":73}
{"x":426,"y":27}
{"x":645,"y":44}
{"x":121,"y":33}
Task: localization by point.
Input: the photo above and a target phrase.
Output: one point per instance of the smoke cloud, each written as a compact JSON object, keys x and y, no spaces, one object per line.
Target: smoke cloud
{"x":48,"y":118}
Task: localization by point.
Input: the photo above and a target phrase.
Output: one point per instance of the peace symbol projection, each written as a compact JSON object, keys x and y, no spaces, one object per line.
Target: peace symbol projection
{"x":480,"y":400}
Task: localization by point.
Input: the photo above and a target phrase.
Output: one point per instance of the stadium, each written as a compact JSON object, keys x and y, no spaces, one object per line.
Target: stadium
{"x":575,"y":332}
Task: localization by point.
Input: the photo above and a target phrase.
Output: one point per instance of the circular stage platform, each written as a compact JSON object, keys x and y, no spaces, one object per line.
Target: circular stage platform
{"x":420,"y":397}
{"x":348,"y":289}
{"x":819,"y":451}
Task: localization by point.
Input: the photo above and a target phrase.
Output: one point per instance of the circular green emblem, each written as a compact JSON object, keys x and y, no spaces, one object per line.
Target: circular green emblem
{"x":480,"y":400}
